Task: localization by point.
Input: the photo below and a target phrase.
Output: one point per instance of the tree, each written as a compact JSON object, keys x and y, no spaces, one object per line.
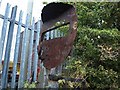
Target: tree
{"x":98,"y":14}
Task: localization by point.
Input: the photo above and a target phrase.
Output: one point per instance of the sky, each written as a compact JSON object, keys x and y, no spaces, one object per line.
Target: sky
{"x":21,"y":5}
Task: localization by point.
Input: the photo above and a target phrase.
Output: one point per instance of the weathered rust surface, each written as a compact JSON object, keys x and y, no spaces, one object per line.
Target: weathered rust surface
{"x":53,"y":52}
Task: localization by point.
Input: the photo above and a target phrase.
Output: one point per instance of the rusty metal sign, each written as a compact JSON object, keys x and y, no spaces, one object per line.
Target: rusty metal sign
{"x":54,"y":51}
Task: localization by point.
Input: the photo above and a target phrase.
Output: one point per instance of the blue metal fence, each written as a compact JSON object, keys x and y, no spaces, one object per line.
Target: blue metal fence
{"x":32,"y":61}
{"x":3,"y":33}
{"x":5,"y":66}
{"x":8,"y":48}
{"x":16,"y":51}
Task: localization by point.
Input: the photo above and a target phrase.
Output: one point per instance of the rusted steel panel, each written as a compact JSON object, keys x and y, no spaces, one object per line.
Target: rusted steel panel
{"x":53,"y":52}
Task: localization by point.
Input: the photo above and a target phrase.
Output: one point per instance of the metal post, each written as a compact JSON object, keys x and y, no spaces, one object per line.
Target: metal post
{"x":8,"y":48}
{"x":62,"y":34}
{"x":58,"y":33}
{"x":43,"y":72}
{"x":35,"y":50}
{"x":41,"y":76}
{"x":29,"y":9}
{"x":30,"y":50}
{"x":23,"y":54}
{"x":52,"y":34}
{"x":16,"y":51}
{"x":47,"y":34}
{"x":29,"y":12}
{"x":3,"y":33}
{"x":55,"y":33}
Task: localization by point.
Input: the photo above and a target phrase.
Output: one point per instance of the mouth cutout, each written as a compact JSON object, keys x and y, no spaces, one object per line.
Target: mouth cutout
{"x":57,"y":31}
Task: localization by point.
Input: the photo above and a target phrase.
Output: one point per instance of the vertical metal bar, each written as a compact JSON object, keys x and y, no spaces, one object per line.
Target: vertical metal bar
{"x":29,"y":12}
{"x":36,"y":54}
{"x":23,"y":54}
{"x":62,"y":34}
{"x":41,"y":76}
{"x":59,"y":69}
{"x":47,"y":35}
{"x":45,"y":77}
{"x":56,"y":33}
{"x":8,"y":48}
{"x":30,"y":9}
{"x":51,"y":34}
{"x":3,"y":33}
{"x":16,"y":51}
{"x":30,"y":50}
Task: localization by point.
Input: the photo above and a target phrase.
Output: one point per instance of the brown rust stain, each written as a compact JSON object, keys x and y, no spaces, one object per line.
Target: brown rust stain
{"x":53,"y":52}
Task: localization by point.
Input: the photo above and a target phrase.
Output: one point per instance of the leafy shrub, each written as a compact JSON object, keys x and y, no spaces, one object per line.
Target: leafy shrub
{"x":29,"y":85}
{"x":96,"y":57}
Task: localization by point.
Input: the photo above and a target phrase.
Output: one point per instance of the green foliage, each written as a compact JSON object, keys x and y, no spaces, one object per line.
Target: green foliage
{"x":61,"y":83}
{"x":98,"y":14}
{"x":102,"y":78}
{"x":45,"y":3}
{"x":29,"y":85}
{"x":96,"y":58}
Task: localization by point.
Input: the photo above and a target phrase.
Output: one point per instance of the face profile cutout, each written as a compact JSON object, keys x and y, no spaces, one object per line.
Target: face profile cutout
{"x":54,"y":16}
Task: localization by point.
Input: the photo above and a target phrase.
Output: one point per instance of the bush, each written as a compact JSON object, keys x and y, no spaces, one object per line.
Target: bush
{"x":98,"y":54}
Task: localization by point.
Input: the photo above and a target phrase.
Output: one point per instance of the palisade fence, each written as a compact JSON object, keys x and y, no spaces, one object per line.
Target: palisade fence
{"x":27,"y":27}
{"x":32,"y":62}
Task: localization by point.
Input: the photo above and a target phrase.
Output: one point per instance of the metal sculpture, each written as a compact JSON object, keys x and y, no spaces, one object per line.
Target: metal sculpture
{"x":54,"y":51}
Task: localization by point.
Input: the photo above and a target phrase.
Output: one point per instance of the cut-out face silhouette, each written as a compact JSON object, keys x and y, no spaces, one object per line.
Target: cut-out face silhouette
{"x":53,"y":52}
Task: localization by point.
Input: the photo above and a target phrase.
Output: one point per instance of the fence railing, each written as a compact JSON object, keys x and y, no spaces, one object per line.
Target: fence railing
{"x":20,"y":48}
{"x":11,"y":29}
